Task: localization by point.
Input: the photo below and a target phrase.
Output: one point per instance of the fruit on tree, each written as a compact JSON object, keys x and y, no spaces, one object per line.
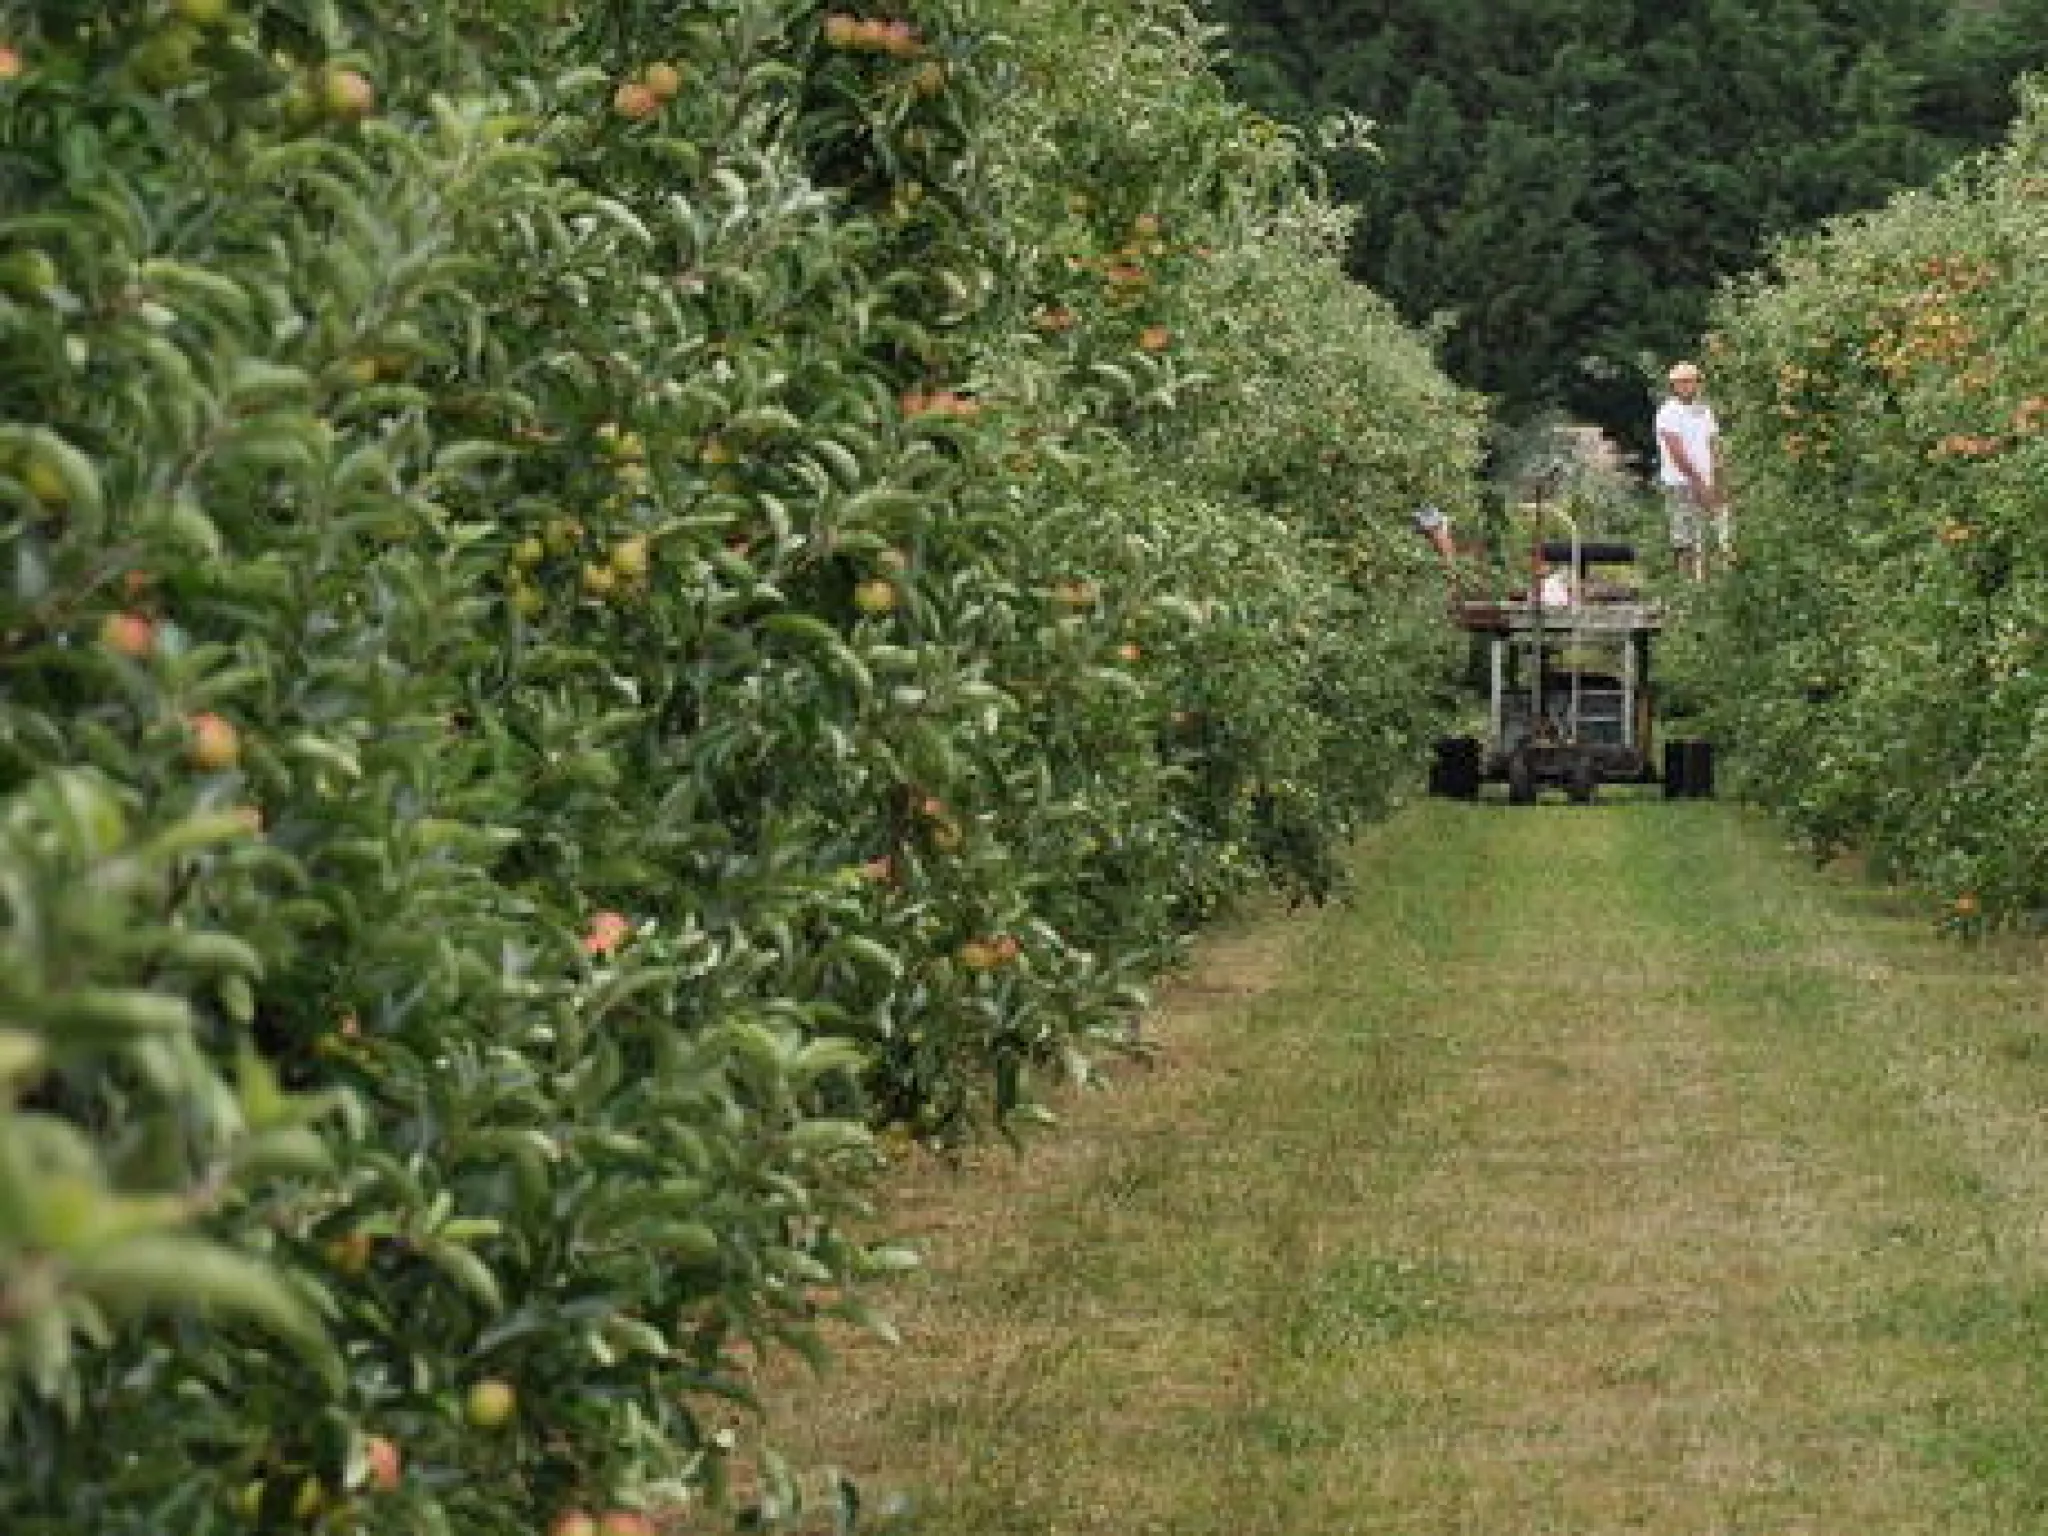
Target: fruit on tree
{"x":635,"y":101}
{"x":607,"y":931}
{"x":490,"y":1404}
{"x":630,"y":557}
{"x":129,"y":634}
{"x":165,"y":58}
{"x":573,"y":1522}
{"x":876,"y":596}
{"x":350,"y":1253}
{"x":978,"y":955}
{"x":625,"y":1522}
{"x":664,"y":79}
{"x":347,"y":95}
{"x":213,"y":745}
{"x":385,"y":1463}
{"x":11,"y":65}
{"x":1155,"y":338}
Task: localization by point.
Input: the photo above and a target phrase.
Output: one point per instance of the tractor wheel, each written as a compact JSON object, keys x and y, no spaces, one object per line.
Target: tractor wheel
{"x":1699,"y":770}
{"x":1521,"y":780}
{"x":1584,"y":782}
{"x":1674,"y":769}
{"x":1455,"y":772}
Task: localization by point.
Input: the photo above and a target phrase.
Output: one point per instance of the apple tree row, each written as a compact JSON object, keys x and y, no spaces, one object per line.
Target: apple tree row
{"x":1877,"y":663}
{"x":609,"y":612}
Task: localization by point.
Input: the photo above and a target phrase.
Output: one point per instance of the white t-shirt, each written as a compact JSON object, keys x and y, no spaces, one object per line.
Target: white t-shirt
{"x":1695,"y":428}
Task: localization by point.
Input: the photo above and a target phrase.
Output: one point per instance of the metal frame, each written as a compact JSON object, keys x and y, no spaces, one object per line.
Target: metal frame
{"x":1546,"y":724}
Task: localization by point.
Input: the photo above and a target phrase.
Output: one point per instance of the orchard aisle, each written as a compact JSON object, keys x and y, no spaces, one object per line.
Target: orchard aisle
{"x":1599,"y":1171}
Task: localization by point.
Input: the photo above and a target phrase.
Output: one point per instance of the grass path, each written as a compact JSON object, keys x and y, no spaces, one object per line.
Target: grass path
{"x":1596,"y":1171}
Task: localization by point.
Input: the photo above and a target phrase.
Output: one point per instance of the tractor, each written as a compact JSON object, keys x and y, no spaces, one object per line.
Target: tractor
{"x":1566,"y":664}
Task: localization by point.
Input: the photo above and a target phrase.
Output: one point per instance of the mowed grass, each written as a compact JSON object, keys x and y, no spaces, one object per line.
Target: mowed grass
{"x":1593,"y":1171}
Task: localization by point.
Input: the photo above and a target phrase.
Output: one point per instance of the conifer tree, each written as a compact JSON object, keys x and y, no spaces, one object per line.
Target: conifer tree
{"x":1561,"y":185}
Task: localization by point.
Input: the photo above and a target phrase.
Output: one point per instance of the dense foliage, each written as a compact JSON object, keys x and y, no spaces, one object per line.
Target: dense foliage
{"x":601,"y":602}
{"x":1877,"y":664}
{"x":1565,"y":181}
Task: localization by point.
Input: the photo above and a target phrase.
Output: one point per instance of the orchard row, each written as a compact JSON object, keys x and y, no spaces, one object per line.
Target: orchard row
{"x":1878,"y":661}
{"x":612,"y":614}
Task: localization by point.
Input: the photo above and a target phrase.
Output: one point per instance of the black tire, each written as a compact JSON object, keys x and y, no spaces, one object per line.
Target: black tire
{"x":1584,"y":782}
{"x":1674,"y":769}
{"x":1521,"y":780}
{"x":1699,"y":770}
{"x":1454,"y":773}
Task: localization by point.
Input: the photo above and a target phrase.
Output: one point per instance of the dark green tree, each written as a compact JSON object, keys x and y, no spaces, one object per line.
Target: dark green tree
{"x":1561,"y":185}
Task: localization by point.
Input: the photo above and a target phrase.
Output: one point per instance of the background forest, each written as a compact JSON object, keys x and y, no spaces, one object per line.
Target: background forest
{"x":1559,"y":185}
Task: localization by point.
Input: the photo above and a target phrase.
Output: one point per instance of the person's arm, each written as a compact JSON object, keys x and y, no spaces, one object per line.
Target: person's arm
{"x":1674,"y":448}
{"x":1435,"y":527}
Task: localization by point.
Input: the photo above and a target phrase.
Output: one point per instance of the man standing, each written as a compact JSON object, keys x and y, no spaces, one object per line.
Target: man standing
{"x":1689,"y":469}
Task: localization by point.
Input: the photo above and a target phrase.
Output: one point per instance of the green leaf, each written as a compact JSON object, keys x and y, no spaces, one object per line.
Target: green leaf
{"x":283,"y":1151}
{"x":461,"y":1265}
{"x":214,"y":952}
{"x":829,"y":1054}
{"x":162,"y":1270}
{"x":99,"y":1016}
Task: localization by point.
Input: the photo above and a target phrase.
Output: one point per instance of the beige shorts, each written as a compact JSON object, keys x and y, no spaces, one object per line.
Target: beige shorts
{"x":1690,"y":521}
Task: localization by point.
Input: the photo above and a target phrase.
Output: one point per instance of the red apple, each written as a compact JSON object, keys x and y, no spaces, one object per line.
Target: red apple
{"x":385,"y":1463}
{"x":607,"y":931}
{"x":635,"y":102}
{"x":131,"y":634}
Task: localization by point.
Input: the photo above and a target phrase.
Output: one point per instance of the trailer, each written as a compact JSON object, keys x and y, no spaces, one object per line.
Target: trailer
{"x":1570,"y":702}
